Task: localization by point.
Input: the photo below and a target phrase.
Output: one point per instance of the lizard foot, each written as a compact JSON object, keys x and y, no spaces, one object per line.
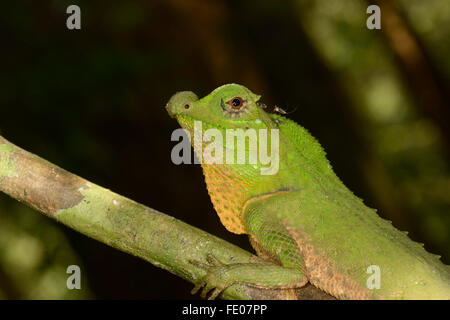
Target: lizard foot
{"x":217,"y":277}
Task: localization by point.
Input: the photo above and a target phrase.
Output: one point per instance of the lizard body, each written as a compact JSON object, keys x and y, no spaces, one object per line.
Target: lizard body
{"x":302,"y":218}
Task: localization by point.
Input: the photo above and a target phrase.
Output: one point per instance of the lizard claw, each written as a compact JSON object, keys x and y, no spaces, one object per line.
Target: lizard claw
{"x":215,"y":278}
{"x":206,"y":288}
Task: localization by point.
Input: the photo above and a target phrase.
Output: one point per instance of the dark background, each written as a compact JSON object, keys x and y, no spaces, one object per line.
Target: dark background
{"x":92,"y":102}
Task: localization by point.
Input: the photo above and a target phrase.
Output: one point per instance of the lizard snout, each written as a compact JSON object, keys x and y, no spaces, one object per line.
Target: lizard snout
{"x":180,"y":102}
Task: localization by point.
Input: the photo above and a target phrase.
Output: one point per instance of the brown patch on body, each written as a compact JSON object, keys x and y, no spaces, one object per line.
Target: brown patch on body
{"x":322,"y":273}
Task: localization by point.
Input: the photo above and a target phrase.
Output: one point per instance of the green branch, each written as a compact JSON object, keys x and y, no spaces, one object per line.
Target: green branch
{"x":122,"y":223}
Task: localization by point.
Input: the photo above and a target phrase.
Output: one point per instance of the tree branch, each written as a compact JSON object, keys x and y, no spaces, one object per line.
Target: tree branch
{"x":122,"y":223}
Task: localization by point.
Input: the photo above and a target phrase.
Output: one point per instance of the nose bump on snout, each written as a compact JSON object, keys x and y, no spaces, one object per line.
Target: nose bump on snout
{"x":180,"y":102}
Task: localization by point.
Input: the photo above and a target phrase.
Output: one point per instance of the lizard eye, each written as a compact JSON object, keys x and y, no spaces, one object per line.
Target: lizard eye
{"x":236,"y":103}
{"x":235,"y":107}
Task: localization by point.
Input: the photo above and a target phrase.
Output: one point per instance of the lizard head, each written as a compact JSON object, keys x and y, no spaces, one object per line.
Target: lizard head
{"x":229,"y":106}
{"x":230,"y":112}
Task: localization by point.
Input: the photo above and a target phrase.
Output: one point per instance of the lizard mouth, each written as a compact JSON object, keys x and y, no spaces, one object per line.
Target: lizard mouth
{"x":171,"y":113}
{"x":187,"y":122}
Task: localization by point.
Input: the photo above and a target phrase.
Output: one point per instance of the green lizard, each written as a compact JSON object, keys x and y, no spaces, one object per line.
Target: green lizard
{"x":301,"y":218}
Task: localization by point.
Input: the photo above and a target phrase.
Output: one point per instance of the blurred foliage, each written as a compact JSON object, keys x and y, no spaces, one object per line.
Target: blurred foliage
{"x":34,"y":256}
{"x":91,"y":101}
{"x":431,"y":21}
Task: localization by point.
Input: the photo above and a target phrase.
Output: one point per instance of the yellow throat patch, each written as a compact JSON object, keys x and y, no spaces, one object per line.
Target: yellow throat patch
{"x":228,"y":189}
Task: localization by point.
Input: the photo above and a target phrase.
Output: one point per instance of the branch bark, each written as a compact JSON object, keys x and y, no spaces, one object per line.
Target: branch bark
{"x":122,"y":223}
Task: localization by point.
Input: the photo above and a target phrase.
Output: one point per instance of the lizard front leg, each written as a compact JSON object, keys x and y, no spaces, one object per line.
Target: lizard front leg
{"x":284,"y":268}
{"x":220,"y":276}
